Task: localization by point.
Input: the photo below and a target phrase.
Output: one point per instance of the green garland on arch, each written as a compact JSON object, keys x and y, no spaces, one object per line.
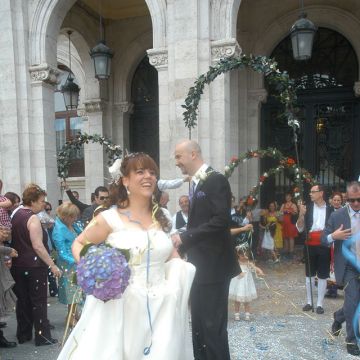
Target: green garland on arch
{"x":261,"y":64}
{"x":112,"y":150}
{"x":284,"y":163}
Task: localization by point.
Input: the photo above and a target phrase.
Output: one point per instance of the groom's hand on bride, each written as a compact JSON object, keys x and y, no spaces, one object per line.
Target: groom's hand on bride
{"x":176,"y":240}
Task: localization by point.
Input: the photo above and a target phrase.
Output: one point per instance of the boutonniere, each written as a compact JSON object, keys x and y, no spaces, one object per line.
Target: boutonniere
{"x":200,"y":194}
{"x":203,"y":175}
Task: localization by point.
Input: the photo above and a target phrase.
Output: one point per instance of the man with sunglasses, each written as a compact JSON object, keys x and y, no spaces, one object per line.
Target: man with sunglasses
{"x":341,"y":225}
{"x":101,"y":198}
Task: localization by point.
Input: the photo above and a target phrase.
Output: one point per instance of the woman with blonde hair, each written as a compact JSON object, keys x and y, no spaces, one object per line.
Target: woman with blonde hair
{"x":64,"y":233}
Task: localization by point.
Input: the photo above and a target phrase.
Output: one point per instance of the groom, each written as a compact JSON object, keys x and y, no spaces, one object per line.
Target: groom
{"x":209,"y":247}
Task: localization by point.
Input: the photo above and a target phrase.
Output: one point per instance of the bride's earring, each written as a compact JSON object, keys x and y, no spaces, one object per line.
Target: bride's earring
{"x":127,"y":190}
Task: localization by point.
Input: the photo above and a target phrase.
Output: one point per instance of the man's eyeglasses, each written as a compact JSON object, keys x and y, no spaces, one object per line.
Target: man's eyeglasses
{"x":353,"y":200}
{"x":314,"y":191}
{"x":102,"y":198}
{"x":48,"y":209}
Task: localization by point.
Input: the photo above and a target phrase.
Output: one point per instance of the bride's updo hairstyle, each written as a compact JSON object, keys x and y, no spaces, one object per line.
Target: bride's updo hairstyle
{"x":118,"y":192}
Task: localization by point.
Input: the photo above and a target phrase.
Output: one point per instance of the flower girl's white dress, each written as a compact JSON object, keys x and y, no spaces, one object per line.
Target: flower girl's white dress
{"x":242,"y":287}
{"x":120,"y":329}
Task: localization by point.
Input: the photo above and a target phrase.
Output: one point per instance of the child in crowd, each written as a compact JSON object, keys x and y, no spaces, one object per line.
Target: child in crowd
{"x":271,"y":223}
{"x":242,"y":287}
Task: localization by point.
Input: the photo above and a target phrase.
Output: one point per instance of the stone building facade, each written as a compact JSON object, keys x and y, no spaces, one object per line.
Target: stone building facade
{"x":181,"y":38}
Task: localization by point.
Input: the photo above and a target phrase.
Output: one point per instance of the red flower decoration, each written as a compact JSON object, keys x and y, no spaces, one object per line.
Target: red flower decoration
{"x":296,"y":190}
{"x":250,"y":200}
{"x":262,"y":178}
{"x":290,"y":161}
{"x":234,"y":159}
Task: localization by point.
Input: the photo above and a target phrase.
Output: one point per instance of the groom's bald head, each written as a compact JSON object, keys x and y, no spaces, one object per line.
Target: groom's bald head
{"x":188,"y":156}
{"x":191,"y":146}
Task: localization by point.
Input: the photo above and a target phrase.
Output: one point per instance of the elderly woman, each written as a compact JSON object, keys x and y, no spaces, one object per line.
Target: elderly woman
{"x":30,"y":269}
{"x":64,"y":233}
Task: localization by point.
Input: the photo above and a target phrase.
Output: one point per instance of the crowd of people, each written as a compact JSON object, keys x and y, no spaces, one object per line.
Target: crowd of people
{"x":206,"y":252}
{"x":324,"y":224}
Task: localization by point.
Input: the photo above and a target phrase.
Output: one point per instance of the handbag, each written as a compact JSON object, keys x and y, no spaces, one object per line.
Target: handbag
{"x":268,"y":241}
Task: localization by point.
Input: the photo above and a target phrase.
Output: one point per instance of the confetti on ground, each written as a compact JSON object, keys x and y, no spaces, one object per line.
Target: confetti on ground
{"x":279,"y":330}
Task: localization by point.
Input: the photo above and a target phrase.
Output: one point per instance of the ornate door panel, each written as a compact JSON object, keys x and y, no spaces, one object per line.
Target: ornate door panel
{"x":144,"y":121}
{"x":329,"y":140}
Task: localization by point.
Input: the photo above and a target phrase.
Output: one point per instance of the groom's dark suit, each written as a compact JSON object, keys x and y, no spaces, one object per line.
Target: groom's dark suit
{"x":210,"y":248}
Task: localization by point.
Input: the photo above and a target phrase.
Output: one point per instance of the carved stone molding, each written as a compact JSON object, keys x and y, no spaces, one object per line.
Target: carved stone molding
{"x":158,"y":58}
{"x":81,"y":112}
{"x":221,"y":49}
{"x":44,"y":73}
{"x":258,"y":95}
{"x":125,"y":107}
{"x":357,"y":88}
{"x":94,"y":105}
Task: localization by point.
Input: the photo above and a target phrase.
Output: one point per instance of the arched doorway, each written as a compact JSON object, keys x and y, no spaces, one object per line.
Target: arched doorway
{"x":144,"y":121}
{"x":329,"y":112}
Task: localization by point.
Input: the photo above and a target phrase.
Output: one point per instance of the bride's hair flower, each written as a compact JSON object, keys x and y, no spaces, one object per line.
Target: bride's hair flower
{"x":115,"y":171}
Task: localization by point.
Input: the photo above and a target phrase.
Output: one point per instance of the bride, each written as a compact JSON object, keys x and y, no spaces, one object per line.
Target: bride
{"x":150,"y":321}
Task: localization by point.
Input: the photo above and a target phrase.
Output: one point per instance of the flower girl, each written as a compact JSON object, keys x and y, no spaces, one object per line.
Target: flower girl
{"x":242,"y":287}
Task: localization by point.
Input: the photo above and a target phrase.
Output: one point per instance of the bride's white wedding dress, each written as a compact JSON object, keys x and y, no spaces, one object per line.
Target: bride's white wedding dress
{"x":119,"y":329}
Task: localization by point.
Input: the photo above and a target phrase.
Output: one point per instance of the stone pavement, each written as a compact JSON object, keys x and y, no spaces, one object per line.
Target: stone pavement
{"x":278,"y":330}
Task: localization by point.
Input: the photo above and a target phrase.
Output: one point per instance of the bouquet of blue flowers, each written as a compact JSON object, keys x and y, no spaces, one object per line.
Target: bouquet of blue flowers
{"x":103,"y":271}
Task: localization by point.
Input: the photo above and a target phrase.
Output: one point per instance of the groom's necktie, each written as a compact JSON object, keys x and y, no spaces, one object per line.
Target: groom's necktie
{"x":192,"y":190}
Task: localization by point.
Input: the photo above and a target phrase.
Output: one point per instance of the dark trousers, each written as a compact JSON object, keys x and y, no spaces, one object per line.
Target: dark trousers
{"x":53,"y":288}
{"x":209,"y":315}
{"x":31,"y":306}
{"x":319,"y":261}
{"x":351,"y":302}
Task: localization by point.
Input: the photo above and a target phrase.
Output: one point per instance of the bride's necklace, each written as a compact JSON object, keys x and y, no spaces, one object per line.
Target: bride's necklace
{"x":128,"y":215}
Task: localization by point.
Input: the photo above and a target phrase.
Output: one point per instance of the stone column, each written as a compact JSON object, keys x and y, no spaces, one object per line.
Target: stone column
{"x":221,"y":98}
{"x":120,"y":123}
{"x":251,"y":170}
{"x":94,"y":154}
{"x":42,"y":139}
{"x":189,"y":54}
{"x":186,"y":57}
{"x":159,"y":59}
{"x":27,"y":135}
{"x":13,"y":159}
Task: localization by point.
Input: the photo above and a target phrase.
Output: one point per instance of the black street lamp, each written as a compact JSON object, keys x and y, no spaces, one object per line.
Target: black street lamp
{"x":101,"y":54}
{"x":302,"y":36}
{"x":70,"y":90}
